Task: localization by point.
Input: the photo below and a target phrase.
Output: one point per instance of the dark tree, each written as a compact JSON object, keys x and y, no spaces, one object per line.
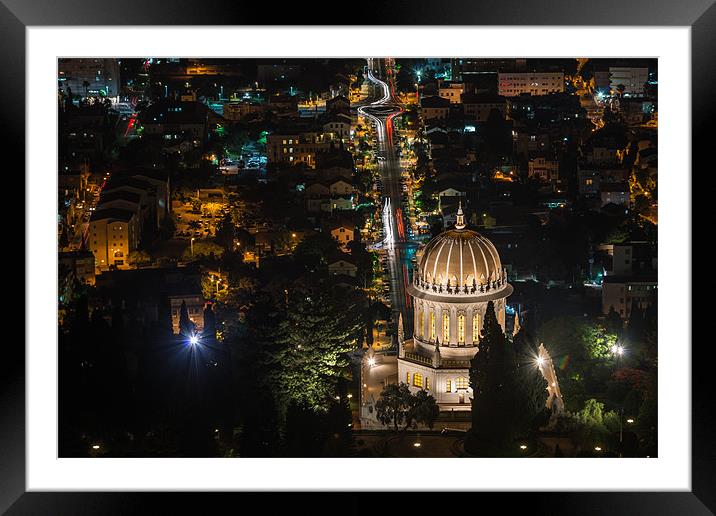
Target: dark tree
{"x":185,"y":326}
{"x":394,"y":404}
{"x":506,"y":390}
{"x":209,"y":322}
{"x":423,"y":410}
{"x":340,"y":442}
{"x":489,"y":370}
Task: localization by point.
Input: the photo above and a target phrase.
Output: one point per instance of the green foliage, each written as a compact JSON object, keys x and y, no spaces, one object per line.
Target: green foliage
{"x":139,"y":257}
{"x":597,"y":342}
{"x":319,"y":329}
{"x":593,"y":425}
{"x":581,"y":350}
{"x":315,"y":250}
{"x":203,"y":249}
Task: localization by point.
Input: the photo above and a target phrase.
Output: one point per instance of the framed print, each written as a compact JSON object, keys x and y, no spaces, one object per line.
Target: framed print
{"x":426,"y":255}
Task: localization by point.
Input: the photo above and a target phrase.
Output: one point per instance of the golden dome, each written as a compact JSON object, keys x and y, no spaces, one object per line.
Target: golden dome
{"x":459,"y":257}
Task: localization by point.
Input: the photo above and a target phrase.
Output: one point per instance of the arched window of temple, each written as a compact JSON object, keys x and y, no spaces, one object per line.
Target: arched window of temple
{"x":433,"y":334}
{"x":446,"y":328}
{"x":476,"y":328}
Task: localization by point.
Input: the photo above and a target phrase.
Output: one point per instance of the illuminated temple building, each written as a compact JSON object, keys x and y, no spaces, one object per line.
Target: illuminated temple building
{"x":458,"y":272}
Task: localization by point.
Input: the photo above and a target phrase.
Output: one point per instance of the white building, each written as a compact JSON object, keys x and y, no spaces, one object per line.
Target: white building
{"x":534,"y":83}
{"x":459,"y":272}
{"x":632,"y":78}
{"x":452,"y":92}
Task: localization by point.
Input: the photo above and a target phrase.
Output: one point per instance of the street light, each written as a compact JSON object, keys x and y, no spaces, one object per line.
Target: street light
{"x":371,"y":361}
{"x":618,"y":351}
{"x":193,"y":340}
{"x":192,"y":247}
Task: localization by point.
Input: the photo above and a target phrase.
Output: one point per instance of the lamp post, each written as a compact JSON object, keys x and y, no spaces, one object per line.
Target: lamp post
{"x":192,"y":247}
{"x":618,"y":351}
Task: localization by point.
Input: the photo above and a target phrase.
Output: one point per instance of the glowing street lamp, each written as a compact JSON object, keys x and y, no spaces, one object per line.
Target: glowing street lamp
{"x":371,"y":361}
{"x":193,"y":340}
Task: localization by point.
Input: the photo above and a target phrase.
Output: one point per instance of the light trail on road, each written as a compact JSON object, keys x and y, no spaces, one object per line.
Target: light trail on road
{"x":381,"y":113}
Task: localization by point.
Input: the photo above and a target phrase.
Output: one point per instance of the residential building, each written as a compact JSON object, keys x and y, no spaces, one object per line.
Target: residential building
{"x":89,"y":77}
{"x":297,"y":148}
{"x":342,"y":265}
{"x":435,"y":108}
{"x":452,"y":92}
{"x":531,"y":83}
{"x":177,"y":121}
{"x":546,"y":170}
{"x":478,"y":107}
{"x":237,"y":111}
{"x":112,"y":236}
{"x":632,"y":79}
{"x":614,"y":193}
{"x":344,"y":234}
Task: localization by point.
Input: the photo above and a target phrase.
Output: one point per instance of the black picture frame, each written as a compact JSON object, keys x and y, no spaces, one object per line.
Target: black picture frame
{"x":700,"y":15}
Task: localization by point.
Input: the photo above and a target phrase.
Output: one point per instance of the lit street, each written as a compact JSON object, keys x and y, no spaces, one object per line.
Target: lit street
{"x":396,"y":240}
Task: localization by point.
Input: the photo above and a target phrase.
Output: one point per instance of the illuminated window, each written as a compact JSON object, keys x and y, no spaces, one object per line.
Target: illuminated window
{"x":448,"y":385}
{"x":476,"y":327}
{"x":417,"y":380}
{"x":408,"y":378}
{"x":432,"y":325}
{"x":461,"y":329}
{"x":461,"y":383}
{"x":446,"y":327}
{"x":420,"y":322}
{"x":427,"y":383}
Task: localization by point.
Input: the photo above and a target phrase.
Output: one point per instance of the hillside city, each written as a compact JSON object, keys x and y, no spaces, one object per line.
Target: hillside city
{"x":380,"y":257}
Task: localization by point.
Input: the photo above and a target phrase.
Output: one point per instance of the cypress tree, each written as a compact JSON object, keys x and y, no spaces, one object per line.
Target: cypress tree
{"x":209,"y":323}
{"x":184,"y":322}
{"x":488,"y":372}
{"x":507,"y":392}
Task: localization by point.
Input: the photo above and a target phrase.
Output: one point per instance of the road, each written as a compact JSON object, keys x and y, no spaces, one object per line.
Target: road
{"x":396,"y":233}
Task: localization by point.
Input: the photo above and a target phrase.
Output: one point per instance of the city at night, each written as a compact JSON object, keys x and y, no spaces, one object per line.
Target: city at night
{"x":359,"y":258}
